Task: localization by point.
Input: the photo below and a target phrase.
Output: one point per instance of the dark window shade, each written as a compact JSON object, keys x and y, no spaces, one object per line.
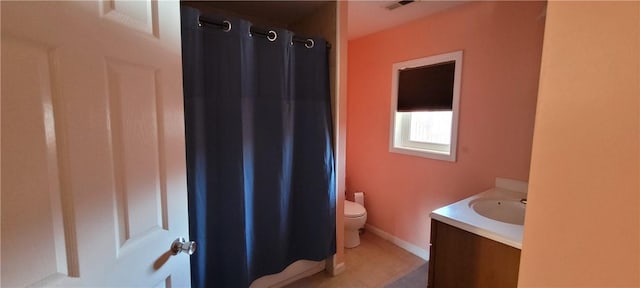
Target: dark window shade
{"x":426,"y":88}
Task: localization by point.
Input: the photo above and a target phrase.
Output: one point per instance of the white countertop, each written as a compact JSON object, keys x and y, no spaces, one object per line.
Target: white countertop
{"x":462,"y":216}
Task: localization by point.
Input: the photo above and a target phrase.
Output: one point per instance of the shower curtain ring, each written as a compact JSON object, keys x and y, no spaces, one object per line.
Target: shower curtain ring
{"x":272,"y":36}
{"x":228,"y":26}
{"x":310,"y":43}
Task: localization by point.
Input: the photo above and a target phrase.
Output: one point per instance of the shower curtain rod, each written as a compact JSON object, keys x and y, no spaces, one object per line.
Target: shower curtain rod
{"x":270,"y":34}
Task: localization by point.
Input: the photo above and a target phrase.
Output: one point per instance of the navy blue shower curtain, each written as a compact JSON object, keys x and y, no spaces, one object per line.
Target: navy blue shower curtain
{"x":260,"y":163}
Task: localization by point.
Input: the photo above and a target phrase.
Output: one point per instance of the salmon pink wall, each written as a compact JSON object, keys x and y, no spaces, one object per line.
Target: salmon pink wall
{"x":502,"y":44}
{"x":582,"y":227}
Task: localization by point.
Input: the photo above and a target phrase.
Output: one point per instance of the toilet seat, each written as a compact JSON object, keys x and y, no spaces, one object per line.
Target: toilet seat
{"x":353,"y":209}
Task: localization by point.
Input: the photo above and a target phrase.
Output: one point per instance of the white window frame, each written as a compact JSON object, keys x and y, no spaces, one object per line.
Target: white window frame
{"x":400,"y":121}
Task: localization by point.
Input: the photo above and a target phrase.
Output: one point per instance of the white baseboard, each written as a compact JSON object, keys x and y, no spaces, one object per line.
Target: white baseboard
{"x":413,"y":249}
{"x":332,"y":267}
{"x":338,"y":269}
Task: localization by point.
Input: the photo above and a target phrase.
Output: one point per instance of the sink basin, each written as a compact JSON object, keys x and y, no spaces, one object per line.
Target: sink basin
{"x":507,"y":211}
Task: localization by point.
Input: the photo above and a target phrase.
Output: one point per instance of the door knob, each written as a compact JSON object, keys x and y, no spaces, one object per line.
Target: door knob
{"x":181,"y":245}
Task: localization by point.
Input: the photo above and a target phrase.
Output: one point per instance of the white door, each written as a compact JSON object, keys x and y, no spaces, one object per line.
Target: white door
{"x":93,"y":160}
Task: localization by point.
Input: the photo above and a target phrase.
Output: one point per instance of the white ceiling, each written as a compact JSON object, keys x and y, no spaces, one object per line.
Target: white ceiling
{"x":366,"y":17}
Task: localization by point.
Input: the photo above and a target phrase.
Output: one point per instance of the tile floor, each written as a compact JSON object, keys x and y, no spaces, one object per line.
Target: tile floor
{"x":375,"y":263}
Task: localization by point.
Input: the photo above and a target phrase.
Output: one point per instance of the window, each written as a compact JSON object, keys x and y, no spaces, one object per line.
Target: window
{"x":424,"y":113}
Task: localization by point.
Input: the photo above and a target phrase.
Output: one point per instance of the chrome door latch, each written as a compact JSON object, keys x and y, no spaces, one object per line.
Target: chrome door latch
{"x":182,"y":245}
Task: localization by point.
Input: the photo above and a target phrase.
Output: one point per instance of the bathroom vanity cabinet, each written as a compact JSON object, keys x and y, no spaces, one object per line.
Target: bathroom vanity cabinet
{"x":462,"y":259}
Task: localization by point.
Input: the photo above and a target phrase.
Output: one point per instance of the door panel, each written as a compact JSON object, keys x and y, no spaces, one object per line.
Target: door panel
{"x":93,"y":144}
{"x":139,"y":15}
{"x":33,"y":176}
{"x":137,"y":163}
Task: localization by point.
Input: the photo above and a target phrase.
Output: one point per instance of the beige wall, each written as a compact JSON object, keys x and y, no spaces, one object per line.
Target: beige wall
{"x":582,"y":226}
{"x":341,"y":125}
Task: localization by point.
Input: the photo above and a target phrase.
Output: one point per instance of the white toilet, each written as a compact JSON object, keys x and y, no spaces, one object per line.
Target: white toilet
{"x":354,"y":218}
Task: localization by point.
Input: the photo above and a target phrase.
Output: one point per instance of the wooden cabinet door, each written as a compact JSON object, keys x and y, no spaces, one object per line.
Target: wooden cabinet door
{"x":462,"y":259}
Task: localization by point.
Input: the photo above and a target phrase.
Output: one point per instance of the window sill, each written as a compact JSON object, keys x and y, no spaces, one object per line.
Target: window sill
{"x":431,"y":154}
